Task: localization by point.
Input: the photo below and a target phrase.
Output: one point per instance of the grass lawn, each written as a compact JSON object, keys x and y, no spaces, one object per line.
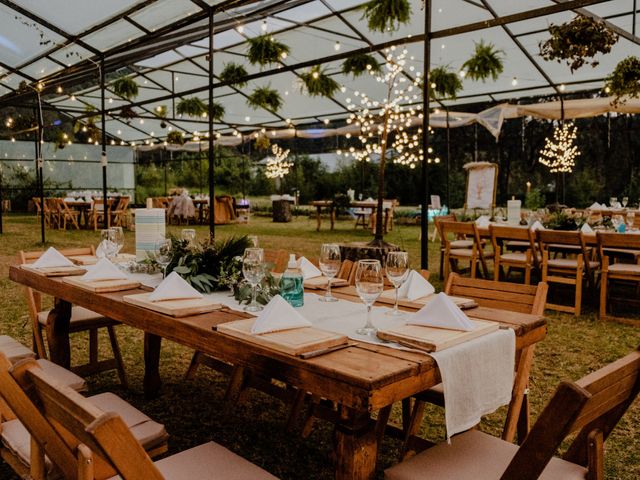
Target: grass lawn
{"x":194,"y":411}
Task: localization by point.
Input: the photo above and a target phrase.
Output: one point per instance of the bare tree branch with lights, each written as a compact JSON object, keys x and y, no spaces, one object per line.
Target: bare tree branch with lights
{"x":278,"y":166}
{"x":384,"y":124}
{"x":559,"y":152}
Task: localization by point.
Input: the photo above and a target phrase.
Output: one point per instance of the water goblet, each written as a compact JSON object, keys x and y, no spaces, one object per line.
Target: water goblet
{"x":188,"y":234}
{"x":625,"y":201}
{"x":330,"y":261}
{"x":253,"y":241}
{"x":369,"y":285}
{"x":108,"y":243}
{"x":162,"y":253}
{"x":118,"y":238}
{"x":253,"y":271}
{"x":397,"y":270}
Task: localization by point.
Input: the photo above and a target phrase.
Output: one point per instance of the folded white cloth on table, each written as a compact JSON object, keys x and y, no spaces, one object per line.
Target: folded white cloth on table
{"x":595,"y":206}
{"x":477,"y":377}
{"x":483,"y":221}
{"x":309,"y":270}
{"x":441,"y":312}
{"x":536,"y":226}
{"x":278,"y":315}
{"x":174,"y":287}
{"x":415,"y":286}
{"x":586,"y":228}
{"x":103,"y":270}
{"x":52,"y":258}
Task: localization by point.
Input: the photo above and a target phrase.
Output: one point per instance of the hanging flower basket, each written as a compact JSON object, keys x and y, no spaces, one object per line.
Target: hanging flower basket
{"x":578,"y":40}
{"x":386,"y":15}
{"x":318,"y":83}
{"x":625,"y":80}
{"x":125,"y":87}
{"x":234,"y":74}
{"x":175,"y":138}
{"x":486,"y":62}
{"x":443,"y":83}
{"x":265,"y":50}
{"x":359,"y":64}
{"x":265,"y":97}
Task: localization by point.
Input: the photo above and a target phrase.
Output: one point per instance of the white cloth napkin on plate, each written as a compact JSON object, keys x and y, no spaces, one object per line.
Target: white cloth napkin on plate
{"x":103,"y":270}
{"x":415,"y":286}
{"x":536,"y":226}
{"x":174,"y":287}
{"x":595,"y":206}
{"x":441,"y":312}
{"x":477,"y":377}
{"x":278,"y":315}
{"x":483,"y":221}
{"x":309,"y":270}
{"x":586,"y":228}
{"x":52,"y":258}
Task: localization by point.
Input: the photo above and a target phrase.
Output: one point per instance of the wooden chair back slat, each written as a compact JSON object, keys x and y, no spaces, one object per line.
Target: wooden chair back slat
{"x":442,"y":218}
{"x":617,"y":240}
{"x":279,"y":258}
{"x":551,"y":237}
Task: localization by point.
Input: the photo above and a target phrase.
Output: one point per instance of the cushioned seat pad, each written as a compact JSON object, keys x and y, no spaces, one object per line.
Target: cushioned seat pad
{"x":81,"y":318}
{"x":14,"y":350}
{"x":62,"y":375}
{"x":628,"y":268}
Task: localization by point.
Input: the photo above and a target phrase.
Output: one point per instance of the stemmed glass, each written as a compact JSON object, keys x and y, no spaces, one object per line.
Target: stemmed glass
{"x":188,"y":234}
{"x":253,"y":271}
{"x":253,"y":240}
{"x":329,"y":265}
{"x":369,"y":285}
{"x":397,"y":270}
{"x":162,"y":253}
{"x":613,"y":202}
{"x":625,"y":200}
{"x":108,"y":243}
{"x":118,"y":239}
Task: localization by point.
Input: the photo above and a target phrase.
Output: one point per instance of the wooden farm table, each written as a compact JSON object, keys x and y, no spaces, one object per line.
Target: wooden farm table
{"x":361,"y":378}
{"x":328,"y":205}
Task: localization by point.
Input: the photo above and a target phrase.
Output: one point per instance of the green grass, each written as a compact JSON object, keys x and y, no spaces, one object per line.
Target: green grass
{"x":194,"y":411}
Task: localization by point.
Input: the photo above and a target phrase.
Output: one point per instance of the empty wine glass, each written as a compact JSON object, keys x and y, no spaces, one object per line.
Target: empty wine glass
{"x":108,"y":244}
{"x":625,"y":201}
{"x":188,"y":234}
{"x":118,"y":238}
{"x":162,"y":253}
{"x":253,"y":271}
{"x":397,"y":270}
{"x":329,"y":265}
{"x":369,"y":285}
{"x":613,"y":201}
{"x":253,"y":241}
{"x":631,"y":217}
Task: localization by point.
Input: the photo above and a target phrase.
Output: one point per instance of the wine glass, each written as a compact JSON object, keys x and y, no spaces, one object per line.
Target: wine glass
{"x":613,"y":201}
{"x":625,"y":201}
{"x":118,"y":238}
{"x":631,"y":216}
{"x":369,"y":285}
{"x":108,"y":244}
{"x":162,"y":253}
{"x":329,"y":265}
{"x":253,"y":271}
{"x":397,"y":270}
{"x":188,"y":234}
{"x":253,"y":241}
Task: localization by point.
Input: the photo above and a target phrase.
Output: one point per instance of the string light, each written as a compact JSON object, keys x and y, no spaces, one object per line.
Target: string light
{"x":336,"y":46}
{"x":559,"y":152}
{"x":264,"y":26}
{"x":278,"y":167}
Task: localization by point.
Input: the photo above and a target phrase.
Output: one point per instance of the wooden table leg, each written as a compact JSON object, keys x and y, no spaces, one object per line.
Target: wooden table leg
{"x":332,"y":216}
{"x":356,"y":446}
{"x":152,"y":382}
{"x":58,"y":333}
{"x":318,"y":212}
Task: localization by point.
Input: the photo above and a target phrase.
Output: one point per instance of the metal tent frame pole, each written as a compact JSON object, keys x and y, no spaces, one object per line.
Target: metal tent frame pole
{"x":424,"y":218}
{"x":212,"y":225}
{"x":103,"y":155}
{"x":39,"y":168}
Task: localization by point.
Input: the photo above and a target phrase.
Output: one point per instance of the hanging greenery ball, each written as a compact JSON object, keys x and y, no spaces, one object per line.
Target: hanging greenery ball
{"x":264,"y":50}
{"x":386,"y":15}
{"x":318,"y":83}
{"x":359,"y":64}
{"x":234,"y":74}
{"x":125,"y":87}
{"x":443,"y":83}
{"x":175,"y":138}
{"x":625,"y":80}
{"x":486,"y":62}
{"x":265,"y":97}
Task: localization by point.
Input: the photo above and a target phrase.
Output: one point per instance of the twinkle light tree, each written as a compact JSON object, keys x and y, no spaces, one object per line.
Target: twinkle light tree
{"x":559,"y":152}
{"x":278,"y":166}
{"x":385,"y":123}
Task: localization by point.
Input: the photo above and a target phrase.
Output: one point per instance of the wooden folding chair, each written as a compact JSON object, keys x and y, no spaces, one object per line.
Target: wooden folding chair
{"x":119,"y":213}
{"x":39,"y":211}
{"x":575,"y":267}
{"x":589,"y":408}
{"x":504,"y":296}
{"x":67,"y":214}
{"x":97,"y":213}
{"x":52,"y":210}
{"x":453,"y":253}
{"x":618,"y":271}
{"x":527,"y":260}
{"x":82,"y":320}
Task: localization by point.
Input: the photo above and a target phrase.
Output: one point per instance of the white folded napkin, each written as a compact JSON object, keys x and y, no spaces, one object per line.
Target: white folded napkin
{"x":69,"y":199}
{"x":52,"y":258}
{"x":278,"y":315}
{"x":586,"y":228}
{"x":103,"y":270}
{"x":483,"y":221}
{"x":309,"y":270}
{"x":415,"y":286}
{"x":595,"y":206}
{"x":174,"y":287}
{"x":441,"y":312}
{"x":536,"y":226}
{"x":477,"y":378}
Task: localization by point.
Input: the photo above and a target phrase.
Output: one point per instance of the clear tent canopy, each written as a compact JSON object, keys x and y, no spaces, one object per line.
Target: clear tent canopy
{"x":163,"y":45}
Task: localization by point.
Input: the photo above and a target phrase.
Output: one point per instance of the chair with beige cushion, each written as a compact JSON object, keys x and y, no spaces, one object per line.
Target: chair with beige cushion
{"x":586,"y":408}
{"x":454,"y":251}
{"x":617,"y":271}
{"x":82,"y":320}
{"x":505,"y":238}
{"x":87,"y":441}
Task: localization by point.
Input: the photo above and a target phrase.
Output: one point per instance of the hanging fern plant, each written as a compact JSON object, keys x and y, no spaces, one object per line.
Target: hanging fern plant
{"x":161,"y":113}
{"x":125,"y":87}
{"x":359,"y":64}
{"x":234,"y":74}
{"x":443,"y":83}
{"x":265,"y":50}
{"x":318,"y":83}
{"x":175,"y":138}
{"x":191,"y":107}
{"x":624,"y":81}
{"x":217,"y":111}
{"x":128,"y":113}
{"x":576,"y":41}
{"x":265,"y":97}
{"x":486,"y":62}
{"x":262,"y":143}
{"x":385,"y":15}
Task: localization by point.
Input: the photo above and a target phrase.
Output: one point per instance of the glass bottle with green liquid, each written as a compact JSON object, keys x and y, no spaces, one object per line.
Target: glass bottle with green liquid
{"x":292,"y":283}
